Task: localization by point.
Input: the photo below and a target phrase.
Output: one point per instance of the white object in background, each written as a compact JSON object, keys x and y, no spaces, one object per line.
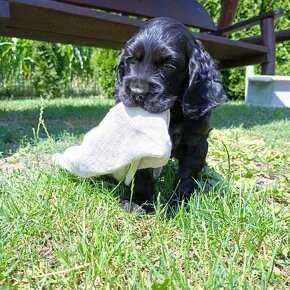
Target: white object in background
{"x":268,"y":91}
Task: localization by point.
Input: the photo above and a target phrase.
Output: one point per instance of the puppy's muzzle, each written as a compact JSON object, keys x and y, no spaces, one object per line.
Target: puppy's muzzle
{"x":140,"y":89}
{"x":138,"y":94}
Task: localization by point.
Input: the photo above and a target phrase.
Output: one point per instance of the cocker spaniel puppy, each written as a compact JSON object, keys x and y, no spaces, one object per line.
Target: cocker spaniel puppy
{"x":163,"y":67}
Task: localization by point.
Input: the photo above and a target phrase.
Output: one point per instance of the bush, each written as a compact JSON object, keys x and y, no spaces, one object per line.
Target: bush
{"x":49,"y":77}
{"x":57,"y":66}
{"x":105,"y":63}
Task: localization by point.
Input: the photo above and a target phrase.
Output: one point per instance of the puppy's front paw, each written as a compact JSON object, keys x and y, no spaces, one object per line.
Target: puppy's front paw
{"x":181,"y":194}
{"x":132,"y":207}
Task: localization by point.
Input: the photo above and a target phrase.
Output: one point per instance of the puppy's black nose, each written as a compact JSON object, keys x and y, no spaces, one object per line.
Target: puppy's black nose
{"x":138,"y":94}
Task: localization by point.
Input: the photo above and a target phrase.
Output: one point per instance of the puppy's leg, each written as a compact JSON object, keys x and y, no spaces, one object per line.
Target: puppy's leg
{"x":140,"y":198}
{"x":191,"y":163}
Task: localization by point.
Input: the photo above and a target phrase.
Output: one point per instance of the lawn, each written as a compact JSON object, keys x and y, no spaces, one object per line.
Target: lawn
{"x":58,"y":231}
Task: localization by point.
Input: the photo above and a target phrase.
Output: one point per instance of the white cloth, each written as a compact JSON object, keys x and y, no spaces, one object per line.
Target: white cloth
{"x":127,"y":139}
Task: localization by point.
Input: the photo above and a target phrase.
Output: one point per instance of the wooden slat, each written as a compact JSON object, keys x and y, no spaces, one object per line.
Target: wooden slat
{"x":69,"y":20}
{"x":281,"y":35}
{"x":189,"y":12}
{"x":222,"y":48}
{"x":242,"y":61}
{"x":250,"y":22}
{"x":61,"y":38}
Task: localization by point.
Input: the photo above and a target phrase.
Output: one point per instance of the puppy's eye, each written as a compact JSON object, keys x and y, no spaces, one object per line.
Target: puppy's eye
{"x":132,"y":60}
{"x":168,"y":65}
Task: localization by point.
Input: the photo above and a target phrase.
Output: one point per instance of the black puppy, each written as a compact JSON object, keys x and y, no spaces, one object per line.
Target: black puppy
{"x":163,"y":67}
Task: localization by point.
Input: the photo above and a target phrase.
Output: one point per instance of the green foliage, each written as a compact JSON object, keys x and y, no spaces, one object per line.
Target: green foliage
{"x":105,"y":63}
{"x":16,"y":64}
{"x":56,"y":65}
{"x":17,"y":54}
{"x":46,"y":69}
{"x":49,"y":76}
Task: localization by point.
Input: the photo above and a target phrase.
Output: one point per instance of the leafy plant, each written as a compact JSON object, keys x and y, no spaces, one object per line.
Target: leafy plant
{"x":56,"y":65}
{"x":49,"y":77}
{"x":16,"y":64}
{"x":47,"y":68}
{"x":105,"y":67}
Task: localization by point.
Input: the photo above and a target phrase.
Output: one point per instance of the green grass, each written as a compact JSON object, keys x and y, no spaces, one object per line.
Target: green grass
{"x":58,"y":231}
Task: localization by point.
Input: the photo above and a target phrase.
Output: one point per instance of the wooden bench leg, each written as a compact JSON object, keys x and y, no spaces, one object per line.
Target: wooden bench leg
{"x":228,"y":13}
{"x":268,"y":40}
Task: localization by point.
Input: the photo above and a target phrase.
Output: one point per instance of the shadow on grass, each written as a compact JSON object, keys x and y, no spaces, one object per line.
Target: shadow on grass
{"x":17,"y":124}
{"x":231,"y":115}
{"x":76,"y":117}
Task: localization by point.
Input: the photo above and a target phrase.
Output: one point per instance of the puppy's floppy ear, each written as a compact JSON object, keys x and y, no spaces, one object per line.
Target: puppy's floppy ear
{"x":120,"y":75}
{"x":204,"y":91}
{"x":120,"y":68}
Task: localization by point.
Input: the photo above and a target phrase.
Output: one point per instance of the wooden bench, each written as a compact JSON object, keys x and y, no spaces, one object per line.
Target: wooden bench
{"x":110,"y":24}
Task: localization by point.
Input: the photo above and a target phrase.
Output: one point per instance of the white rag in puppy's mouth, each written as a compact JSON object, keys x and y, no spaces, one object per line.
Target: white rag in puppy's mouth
{"x":127,"y":139}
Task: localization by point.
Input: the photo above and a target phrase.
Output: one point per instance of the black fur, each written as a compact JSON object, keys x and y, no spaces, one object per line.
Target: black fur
{"x":163,"y":67}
